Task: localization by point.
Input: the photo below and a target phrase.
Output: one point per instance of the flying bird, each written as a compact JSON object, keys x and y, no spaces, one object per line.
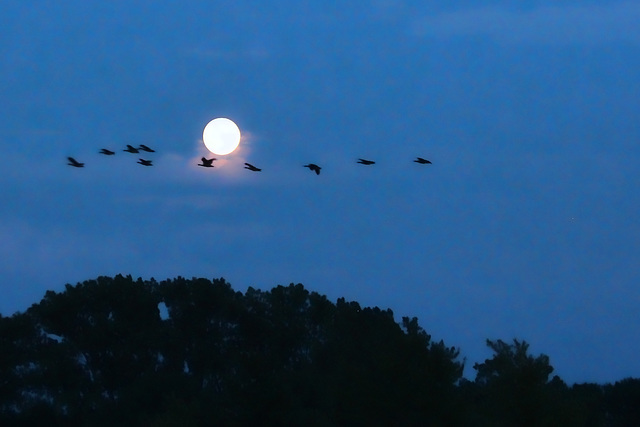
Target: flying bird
{"x":251,"y":167}
{"x":207,"y":163}
{"x":313,"y":167}
{"x":107,"y":152}
{"x":131,"y":149}
{"x":145,"y":148}
{"x":366,"y":162}
{"x":73,"y":162}
{"x":144,"y":162}
{"x":422,"y":161}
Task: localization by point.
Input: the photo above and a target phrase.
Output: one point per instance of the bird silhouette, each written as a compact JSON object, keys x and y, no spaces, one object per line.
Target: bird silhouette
{"x":73,"y":162}
{"x":422,"y":161}
{"x":144,"y":162}
{"x":131,"y":149}
{"x":366,"y":162}
{"x":207,"y":163}
{"x":313,"y":167}
{"x":145,"y":148}
{"x":251,"y":167}
{"x":107,"y":152}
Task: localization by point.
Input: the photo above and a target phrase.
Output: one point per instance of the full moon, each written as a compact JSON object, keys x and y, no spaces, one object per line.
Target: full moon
{"x":221,"y":136}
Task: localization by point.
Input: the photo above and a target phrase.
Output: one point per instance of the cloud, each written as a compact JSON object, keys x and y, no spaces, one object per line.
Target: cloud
{"x":588,"y":24}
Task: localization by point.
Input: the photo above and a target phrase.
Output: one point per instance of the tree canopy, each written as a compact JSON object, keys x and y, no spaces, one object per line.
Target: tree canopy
{"x":104,"y":353}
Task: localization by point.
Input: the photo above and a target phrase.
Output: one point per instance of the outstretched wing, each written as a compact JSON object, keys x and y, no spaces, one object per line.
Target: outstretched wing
{"x":74,"y":162}
{"x":251,"y":167}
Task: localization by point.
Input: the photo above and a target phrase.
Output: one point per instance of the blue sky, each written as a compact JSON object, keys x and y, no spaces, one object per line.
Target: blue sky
{"x":526,"y":225}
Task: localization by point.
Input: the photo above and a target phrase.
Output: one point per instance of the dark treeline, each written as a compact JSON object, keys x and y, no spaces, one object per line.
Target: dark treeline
{"x":104,"y":352}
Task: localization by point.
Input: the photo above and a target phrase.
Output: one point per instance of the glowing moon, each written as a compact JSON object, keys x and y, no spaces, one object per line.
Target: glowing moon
{"x":221,"y":136}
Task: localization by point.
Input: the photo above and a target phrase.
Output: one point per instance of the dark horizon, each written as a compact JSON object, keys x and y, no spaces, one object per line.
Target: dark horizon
{"x":117,"y":351}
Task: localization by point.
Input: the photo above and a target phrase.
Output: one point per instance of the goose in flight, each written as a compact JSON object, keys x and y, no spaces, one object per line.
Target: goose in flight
{"x":207,"y":163}
{"x":251,"y":167}
{"x":366,"y":162}
{"x":131,"y":149}
{"x":107,"y":152}
{"x":73,"y":162}
{"x":422,"y":161}
{"x":313,"y":167}
{"x":144,"y":162}
{"x":145,"y":148}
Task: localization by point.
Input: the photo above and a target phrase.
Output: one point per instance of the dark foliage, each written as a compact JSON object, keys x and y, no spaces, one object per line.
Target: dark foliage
{"x":103,"y":353}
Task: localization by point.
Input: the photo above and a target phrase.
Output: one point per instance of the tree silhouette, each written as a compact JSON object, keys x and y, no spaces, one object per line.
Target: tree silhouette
{"x":622,"y":402}
{"x":100,"y":353}
{"x":514,"y":383}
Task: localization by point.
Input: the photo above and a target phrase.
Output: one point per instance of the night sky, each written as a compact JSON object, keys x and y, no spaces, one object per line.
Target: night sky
{"x":525,"y":226}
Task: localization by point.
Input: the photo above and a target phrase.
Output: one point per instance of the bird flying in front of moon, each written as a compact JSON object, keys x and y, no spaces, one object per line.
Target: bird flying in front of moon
{"x":207,"y":163}
{"x":220,"y":136}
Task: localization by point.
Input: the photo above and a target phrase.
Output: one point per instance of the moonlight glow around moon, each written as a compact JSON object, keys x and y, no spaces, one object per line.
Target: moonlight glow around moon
{"x":221,"y":136}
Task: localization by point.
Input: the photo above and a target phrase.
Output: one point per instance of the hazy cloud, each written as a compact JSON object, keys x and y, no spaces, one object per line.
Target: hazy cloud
{"x":549,"y":25}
